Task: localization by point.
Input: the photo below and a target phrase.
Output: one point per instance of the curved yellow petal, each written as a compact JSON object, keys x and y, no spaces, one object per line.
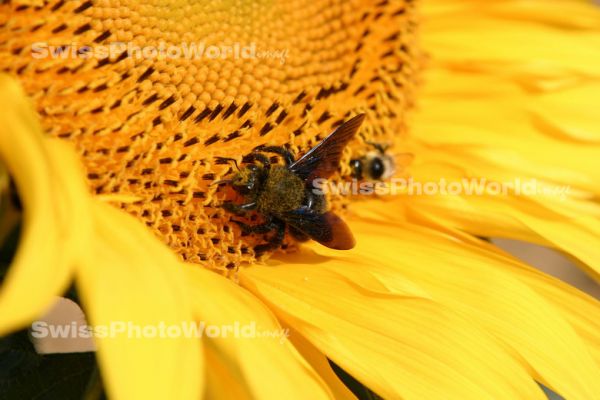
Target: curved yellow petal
{"x":399,"y":345}
{"x":581,"y":310}
{"x":582,"y":14}
{"x":56,"y":221}
{"x":320,"y":363}
{"x":578,"y":308}
{"x":269,"y":364}
{"x":567,"y":225}
{"x":502,"y":26}
{"x":490,"y":129}
{"x":224,"y":379}
{"x":476,"y":284}
{"x":576,"y":236}
{"x":130,"y":286}
{"x":570,"y":113}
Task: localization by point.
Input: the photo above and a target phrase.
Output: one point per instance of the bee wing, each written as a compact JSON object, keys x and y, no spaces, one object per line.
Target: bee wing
{"x":327,"y":229}
{"x":323,"y":159}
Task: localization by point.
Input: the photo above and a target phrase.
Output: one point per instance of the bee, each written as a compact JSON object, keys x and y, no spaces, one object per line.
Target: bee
{"x":283,"y":194}
{"x":375,"y":165}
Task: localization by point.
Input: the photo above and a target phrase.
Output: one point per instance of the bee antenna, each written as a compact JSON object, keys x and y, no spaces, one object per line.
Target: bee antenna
{"x":224,"y":160}
{"x":381,"y":148}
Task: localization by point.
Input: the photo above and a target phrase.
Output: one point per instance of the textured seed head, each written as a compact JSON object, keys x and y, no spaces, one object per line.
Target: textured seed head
{"x":271,"y":72}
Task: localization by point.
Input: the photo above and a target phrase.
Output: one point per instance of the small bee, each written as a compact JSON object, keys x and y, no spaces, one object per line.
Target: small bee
{"x":284,"y":196}
{"x":375,"y":165}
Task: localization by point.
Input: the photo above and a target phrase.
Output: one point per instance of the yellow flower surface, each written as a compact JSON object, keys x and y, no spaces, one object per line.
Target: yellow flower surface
{"x":421,"y":308}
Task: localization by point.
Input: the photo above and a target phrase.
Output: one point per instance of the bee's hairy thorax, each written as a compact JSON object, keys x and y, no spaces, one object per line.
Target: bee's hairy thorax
{"x":282,"y":191}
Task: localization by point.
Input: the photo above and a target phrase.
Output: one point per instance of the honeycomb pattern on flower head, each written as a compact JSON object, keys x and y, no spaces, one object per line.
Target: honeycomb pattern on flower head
{"x":156,"y":128}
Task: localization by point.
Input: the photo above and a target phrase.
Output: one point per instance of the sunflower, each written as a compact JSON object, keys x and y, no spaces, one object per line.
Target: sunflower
{"x":115,"y":158}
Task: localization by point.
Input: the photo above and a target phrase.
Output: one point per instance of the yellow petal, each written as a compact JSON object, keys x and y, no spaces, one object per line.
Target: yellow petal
{"x":581,"y":310}
{"x":320,"y":363}
{"x":56,"y":224}
{"x":582,"y":14}
{"x":399,"y":345}
{"x":571,"y":113}
{"x":132,"y":278}
{"x":451,"y":28}
{"x":269,"y":364}
{"x":489,"y":129}
{"x":578,"y":308}
{"x":476,"y":284}
{"x":224,"y":380}
{"x":576,"y":237}
{"x":565,"y":225}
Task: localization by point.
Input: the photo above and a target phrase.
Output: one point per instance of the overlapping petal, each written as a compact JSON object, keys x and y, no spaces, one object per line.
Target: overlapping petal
{"x":398,"y":344}
{"x":557,"y":225}
{"x":321,"y":365}
{"x":476,"y":282}
{"x":515,"y":110}
{"x":254,"y":344}
{"x":479,"y":285}
{"x":124,"y":274}
{"x":539,"y":44}
{"x":56,"y":224}
{"x":492,"y":129}
{"x":131,"y":285}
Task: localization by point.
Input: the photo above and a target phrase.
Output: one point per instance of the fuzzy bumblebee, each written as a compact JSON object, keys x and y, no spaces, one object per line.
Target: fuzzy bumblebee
{"x":286,"y":195}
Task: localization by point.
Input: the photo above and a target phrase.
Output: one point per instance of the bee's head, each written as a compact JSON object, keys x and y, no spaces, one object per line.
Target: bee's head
{"x":245,"y":181}
{"x":374,"y":166}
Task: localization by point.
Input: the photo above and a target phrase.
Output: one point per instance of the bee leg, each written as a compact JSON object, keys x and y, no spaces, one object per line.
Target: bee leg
{"x":275,"y":241}
{"x":298,"y":234}
{"x":310,"y":199}
{"x":279,"y":150}
{"x":265,"y":227}
{"x":314,"y":201}
{"x":238,"y":209}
